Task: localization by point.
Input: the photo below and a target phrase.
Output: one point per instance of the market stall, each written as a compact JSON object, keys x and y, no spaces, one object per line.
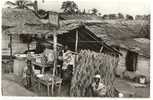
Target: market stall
{"x":44,"y":64}
{"x":44,"y":68}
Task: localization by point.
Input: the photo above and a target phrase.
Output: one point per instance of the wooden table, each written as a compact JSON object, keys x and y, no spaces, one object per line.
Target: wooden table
{"x":58,"y":82}
{"x":43,"y":66}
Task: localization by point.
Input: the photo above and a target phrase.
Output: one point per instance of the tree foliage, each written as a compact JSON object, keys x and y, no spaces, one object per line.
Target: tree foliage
{"x":94,"y":11}
{"x":129,"y":17}
{"x":112,"y":16}
{"x":20,"y":4}
{"x":84,"y":11}
{"x":120,"y":16}
{"x":42,"y":14}
{"x":69,"y":7}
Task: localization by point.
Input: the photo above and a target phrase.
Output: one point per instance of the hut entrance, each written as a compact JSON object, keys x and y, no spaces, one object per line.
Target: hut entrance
{"x":131,"y":61}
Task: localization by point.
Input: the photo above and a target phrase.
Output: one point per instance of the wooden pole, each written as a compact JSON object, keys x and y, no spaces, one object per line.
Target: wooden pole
{"x":102,"y":47}
{"x":76,"y":41}
{"x":76,"y":47}
{"x":28,"y":45}
{"x":55,"y":52}
{"x":11,"y":47}
{"x":55,"y":61}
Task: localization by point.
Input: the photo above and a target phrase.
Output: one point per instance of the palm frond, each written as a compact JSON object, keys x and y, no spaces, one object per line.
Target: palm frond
{"x":10,"y":3}
{"x":27,"y":8}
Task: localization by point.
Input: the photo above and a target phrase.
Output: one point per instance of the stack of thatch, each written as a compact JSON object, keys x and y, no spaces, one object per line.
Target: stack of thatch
{"x":88,"y":64}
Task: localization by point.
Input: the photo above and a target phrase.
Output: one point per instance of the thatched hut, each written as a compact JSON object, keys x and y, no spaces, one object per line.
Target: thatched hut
{"x":28,"y":25}
{"x":67,"y":35}
{"x":129,"y":38}
{"x":16,"y":19}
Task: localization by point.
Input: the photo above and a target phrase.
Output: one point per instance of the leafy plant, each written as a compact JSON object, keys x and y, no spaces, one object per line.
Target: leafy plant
{"x":69,"y":7}
{"x":20,"y":4}
{"x":94,"y":11}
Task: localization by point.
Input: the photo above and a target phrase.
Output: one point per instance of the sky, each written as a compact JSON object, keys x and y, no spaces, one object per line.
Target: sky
{"x":133,"y":7}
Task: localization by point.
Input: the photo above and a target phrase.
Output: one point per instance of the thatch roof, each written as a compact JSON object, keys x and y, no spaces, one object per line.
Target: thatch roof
{"x":41,"y":29}
{"x":87,"y":40}
{"x":79,"y":17}
{"x":21,"y":21}
{"x":122,"y":34}
{"x":18,"y":17}
{"x":142,"y":48}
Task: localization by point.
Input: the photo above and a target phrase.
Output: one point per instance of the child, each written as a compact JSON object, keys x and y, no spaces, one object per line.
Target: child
{"x":29,"y":73}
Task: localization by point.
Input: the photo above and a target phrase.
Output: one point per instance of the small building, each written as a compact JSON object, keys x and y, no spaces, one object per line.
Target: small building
{"x":103,"y":36}
{"x":128,"y":37}
{"x":136,"y":57}
{"x":135,"y":48}
{"x":12,"y":18}
{"x":142,"y":17}
{"x":20,"y":25}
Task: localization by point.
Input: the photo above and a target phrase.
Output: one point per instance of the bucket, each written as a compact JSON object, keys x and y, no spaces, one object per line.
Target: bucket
{"x":142,"y":80}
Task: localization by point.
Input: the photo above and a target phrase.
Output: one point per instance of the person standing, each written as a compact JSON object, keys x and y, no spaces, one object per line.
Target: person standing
{"x":67,"y":68}
{"x":29,"y":72}
{"x":68,"y":59}
{"x":60,"y":63}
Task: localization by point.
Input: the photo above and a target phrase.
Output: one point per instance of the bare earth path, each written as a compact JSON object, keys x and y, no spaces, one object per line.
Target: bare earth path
{"x":12,"y":88}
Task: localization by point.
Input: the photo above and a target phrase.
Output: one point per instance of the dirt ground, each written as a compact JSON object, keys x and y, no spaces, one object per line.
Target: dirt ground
{"x":10,"y":87}
{"x":143,"y":92}
{"x":19,"y":88}
{"x":14,"y":79}
{"x":140,"y":92}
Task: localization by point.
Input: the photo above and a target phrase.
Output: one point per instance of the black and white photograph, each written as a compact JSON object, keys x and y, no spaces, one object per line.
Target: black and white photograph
{"x":75,"y":48}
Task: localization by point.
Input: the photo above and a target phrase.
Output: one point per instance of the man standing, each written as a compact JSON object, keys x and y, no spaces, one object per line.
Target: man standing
{"x":68,"y":59}
{"x":67,"y":68}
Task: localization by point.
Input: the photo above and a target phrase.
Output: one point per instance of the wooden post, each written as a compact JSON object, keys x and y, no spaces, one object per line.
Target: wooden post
{"x":54,"y":19}
{"x":76,"y":41}
{"x":101,"y":49}
{"x":28,"y":45}
{"x":11,"y":47}
{"x":76,"y":47}
{"x":55,"y":61}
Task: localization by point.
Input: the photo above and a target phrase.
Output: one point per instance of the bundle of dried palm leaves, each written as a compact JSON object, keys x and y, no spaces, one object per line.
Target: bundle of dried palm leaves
{"x":88,"y":64}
